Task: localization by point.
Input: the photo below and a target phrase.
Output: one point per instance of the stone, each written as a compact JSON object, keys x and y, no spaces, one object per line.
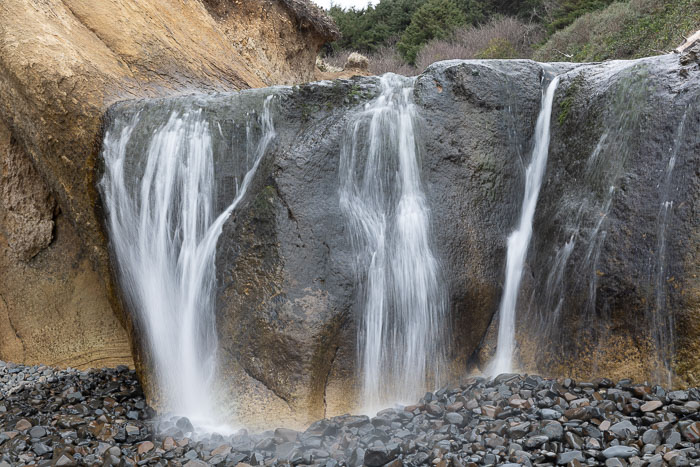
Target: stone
{"x":651,"y":406}
{"x":184,"y":424}
{"x":222,"y":450}
{"x":691,"y":433}
{"x":535,"y":441}
{"x":37,"y":432}
{"x":573,"y":440}
{"x":435,"y":410}
{"x":614,"y":462}
{"x":145,"y":447}
{"x":680,"y":396}
{"x":65,"y":460}
{"x":489,"y":411}
{"x":566,"y":457}
{"x":672,"y":438}
{"x":621,"y":451}
{"x":651,"y":436}
{"x":40,"y":449}
{"x":624,"y":429}
{"x":168,"y":443}
{"x":553,"y":431}
{"x":376,"y":456}
{"x":286,"y":434}
{"x":454,"y":419}
{"x":549,"y":414}
{"x":23,"y":425}
{"x":519,"y":430}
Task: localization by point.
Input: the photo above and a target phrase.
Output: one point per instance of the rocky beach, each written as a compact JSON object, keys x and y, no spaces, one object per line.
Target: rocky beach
{"x":100,"y":417}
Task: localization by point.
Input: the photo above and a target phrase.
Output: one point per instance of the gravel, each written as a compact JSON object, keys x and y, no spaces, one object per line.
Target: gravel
{"x":52,"y":417}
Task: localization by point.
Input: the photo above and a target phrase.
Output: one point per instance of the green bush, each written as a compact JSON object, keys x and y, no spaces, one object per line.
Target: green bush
{"x":569,"y":10}
{"x":434,"y":19}
{"x":635,"y":29}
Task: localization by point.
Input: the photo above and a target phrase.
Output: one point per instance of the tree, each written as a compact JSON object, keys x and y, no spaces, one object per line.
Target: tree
{"x":372,"y":27}
{"x":434,"y":19}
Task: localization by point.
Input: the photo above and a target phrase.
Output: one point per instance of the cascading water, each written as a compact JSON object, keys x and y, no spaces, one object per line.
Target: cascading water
{"x":163,"y":224}
{"x":519,"y":241}
{"x":402,"y":327}
{"x":662,"y":319}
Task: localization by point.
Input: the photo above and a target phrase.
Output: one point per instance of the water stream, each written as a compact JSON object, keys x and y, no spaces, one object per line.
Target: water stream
{"x":519,"y":240}
{"x":402,"y":325}
{"x":662,"y":318}
{"x":163,"y":222}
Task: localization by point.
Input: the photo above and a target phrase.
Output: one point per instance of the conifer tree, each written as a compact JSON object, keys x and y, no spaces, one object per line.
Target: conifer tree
{"x":434,"y":19}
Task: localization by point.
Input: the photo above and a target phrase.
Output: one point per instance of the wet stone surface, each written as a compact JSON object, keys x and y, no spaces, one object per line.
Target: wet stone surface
{"x":99,"y":417}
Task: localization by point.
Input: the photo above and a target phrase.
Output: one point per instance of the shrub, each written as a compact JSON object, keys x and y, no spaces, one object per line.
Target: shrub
{"x":567,"y":11}
{"x":387,"y":60}
{"x":498,"y":48}
{"x":624,"y":30}
{"x":338,"y":58}
{"x":504,"y":37}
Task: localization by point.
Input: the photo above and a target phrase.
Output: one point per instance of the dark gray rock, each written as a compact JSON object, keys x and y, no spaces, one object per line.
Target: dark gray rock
{"x":37,"y":432}
{"x":624,"y":429}
{"x":184,"y":424}
{"x":454,"y":419}
{"x":623,"y":452}
{"x":553,"y":431}
{"x":569,"y":456}
{"x":376,"y":456}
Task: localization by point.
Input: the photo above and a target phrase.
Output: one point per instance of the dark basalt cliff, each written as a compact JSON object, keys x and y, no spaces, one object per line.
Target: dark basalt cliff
{"x":611,"y":282}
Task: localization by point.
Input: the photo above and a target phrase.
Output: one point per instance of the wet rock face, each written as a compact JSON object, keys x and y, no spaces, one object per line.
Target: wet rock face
{"x":615,"y":231}
{"x":478,"y":123}
{"x":288,"y":297}
{"x":288,"y":293}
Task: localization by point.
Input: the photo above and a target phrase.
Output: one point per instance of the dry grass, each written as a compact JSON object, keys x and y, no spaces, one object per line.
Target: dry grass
{"x":387,"y":60}
{"x":504,"y":37}
{"x":338,"y":59}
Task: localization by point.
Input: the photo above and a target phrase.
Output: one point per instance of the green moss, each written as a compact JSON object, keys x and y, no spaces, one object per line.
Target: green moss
{"x":264,"y":204}
{"x":569,"y":98}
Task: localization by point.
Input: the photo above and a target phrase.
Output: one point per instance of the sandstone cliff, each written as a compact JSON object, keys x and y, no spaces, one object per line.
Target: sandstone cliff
{"x":62,"y":63}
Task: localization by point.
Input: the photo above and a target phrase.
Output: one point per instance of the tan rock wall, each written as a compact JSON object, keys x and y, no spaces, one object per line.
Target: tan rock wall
{"x":270,"y":38}
{"x":53,"y":305}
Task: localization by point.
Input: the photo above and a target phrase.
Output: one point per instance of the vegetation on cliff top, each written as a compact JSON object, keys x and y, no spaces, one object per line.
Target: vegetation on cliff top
{"x":404,"y":36}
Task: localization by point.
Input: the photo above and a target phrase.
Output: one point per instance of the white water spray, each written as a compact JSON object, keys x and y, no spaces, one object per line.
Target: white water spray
{"x":519,"y":241}
{"x":662,"y":318}
{"x":163,"y":230}
{"x":402,"y":330}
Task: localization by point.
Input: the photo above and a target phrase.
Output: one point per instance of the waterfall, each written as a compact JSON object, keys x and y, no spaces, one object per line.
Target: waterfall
{"x":402,"y":326}
{"x":662,"y":319}
{"x":163,"y":225}
{"x":519,"y":240}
